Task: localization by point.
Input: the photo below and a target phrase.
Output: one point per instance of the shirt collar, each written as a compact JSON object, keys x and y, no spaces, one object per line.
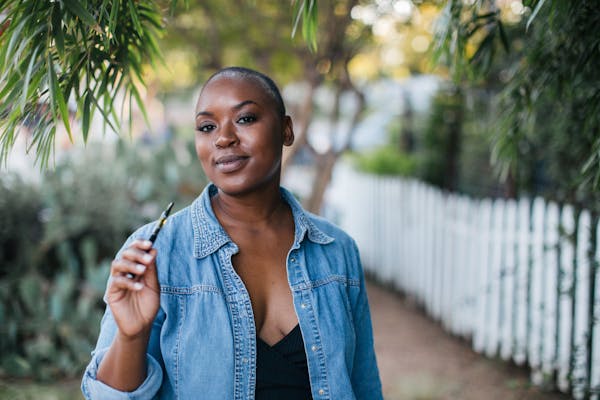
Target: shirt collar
{"x":209,"y":235}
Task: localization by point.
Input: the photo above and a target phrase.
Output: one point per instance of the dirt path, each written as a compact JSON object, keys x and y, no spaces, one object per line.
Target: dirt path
{"x":419,"y":361}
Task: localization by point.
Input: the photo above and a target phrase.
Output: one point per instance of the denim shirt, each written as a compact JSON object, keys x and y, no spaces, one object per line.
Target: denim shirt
{"x":203,"y":340}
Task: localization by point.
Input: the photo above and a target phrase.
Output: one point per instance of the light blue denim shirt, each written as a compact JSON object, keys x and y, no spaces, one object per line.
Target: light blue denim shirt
{"x":203,"y":341}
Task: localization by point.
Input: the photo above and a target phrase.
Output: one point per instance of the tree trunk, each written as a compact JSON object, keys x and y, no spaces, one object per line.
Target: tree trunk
{"x":326,"y":162}
{"x":301,"y":123}
{"x":325,"y":165}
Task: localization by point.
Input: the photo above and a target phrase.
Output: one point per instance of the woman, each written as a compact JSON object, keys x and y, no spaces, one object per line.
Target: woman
{"x":244,"y":295}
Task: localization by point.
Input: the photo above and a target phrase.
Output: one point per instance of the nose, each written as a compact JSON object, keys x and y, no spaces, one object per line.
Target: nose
{"x":227,"y":136}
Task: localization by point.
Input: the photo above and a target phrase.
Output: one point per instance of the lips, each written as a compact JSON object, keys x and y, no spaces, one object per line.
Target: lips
{"x":230,"y":163}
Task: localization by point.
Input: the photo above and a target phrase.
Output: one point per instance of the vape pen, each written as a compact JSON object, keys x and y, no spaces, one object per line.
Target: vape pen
{"x":159,"y":225}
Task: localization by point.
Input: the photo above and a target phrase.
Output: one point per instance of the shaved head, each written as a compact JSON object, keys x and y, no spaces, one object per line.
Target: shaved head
{"x":262,"y":80}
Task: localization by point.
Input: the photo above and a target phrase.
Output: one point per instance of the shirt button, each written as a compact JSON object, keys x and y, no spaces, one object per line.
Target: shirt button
{"x":303,"y":305}
{"x":293,"y":259}
{"x":245,"y":360}
{"x":321,"y":392}
{"x":313,"y":347}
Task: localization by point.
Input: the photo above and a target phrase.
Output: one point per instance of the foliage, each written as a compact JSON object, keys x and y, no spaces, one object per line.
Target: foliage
{"x":54,"y":52}
{"x":393,"y":158}
{"x":421,"y":144}
{"x":66,"y":232}
{"x":549,"y":111}
{"x":441,"y":139}
{"x":26,"y":390}
{"x":90,"y":52}
{"x":386,"y":160}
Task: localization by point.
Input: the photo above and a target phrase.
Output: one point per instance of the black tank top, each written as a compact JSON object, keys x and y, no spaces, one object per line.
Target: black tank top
{"x":281,"y":370}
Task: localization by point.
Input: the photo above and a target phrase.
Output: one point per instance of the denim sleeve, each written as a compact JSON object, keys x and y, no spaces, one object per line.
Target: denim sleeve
{"x":92,"y":388}
{"x":365,"y":374}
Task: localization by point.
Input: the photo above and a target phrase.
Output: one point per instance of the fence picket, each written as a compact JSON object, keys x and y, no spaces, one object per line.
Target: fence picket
{"x":565,"y":306}
{"x":513,"y":276}
{"x":479,"y":336}
{"x":550,"y":334}
{"x":495,"y":276}
{"x":536,"y":305}
{"x":508,"y":283}
{"x":595,"y":367}
{"x":581,"y":317}
{"x":522,"y":281}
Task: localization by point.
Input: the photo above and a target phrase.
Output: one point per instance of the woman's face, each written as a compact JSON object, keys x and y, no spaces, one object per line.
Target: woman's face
{"x":239,"y":135}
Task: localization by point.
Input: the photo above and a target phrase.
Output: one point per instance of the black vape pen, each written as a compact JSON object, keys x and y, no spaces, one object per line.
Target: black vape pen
{"x":159,"y":225}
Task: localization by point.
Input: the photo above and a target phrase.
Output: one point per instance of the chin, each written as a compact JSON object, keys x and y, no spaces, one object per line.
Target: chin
{"x":244,"y":186}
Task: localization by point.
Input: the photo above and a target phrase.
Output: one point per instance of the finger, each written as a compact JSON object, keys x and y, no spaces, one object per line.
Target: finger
{"x":141,"y":244}
{"x":151,"y":276}
{"x":123,"y":283}
{"x":126,"y":267}
{"x":138,"y":256}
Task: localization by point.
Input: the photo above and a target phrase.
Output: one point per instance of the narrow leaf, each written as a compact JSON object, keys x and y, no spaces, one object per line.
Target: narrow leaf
{"x":27,"y":78}
{"x":57,"y":95}
{"x":114,"y":15}
{"x":139,"y":102}
{"x":298,"y":10}
{"x":535,"y":12}
{"x":85,"y":124}
{"x":107,"y":120}
{"x":503,"y":37}
{"x":57,"y":31}
{"x":134,"y":16}
{"x":14,"y":38}
{"x":79,"y":11}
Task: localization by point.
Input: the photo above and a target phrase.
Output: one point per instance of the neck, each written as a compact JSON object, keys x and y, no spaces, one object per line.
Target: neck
{"x":253,"y":209}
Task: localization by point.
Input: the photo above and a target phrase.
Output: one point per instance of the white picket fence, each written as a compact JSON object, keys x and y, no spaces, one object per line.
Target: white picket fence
{"x":514,"y":277}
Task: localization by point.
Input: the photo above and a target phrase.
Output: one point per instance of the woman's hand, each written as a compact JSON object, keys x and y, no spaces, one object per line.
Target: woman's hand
{"x":134,"y":301}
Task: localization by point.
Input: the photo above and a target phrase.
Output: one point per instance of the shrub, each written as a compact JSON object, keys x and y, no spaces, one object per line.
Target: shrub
{"x":386,"y":160}
{"x":57,"y":240}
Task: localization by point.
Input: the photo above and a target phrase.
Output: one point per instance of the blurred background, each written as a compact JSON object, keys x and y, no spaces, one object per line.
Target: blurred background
{"x":457,"y":141}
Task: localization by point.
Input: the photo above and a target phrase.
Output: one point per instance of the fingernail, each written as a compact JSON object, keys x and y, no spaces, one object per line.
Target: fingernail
{"x":138,"y":286}
{"x":147,"y":243}
{"x":140,"y":267}
{"x":147,"y":257}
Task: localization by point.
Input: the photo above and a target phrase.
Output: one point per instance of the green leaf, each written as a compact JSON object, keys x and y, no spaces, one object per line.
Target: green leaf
{"x":309,"y":26}
{"x":29,"y":289}
{"x":535,"y":12}
{"x":14,"y":38}
{"x":57,"y":31}
{"x":139,"y":102}
{"x":85,"y":124}
{"x":298,"y":12}
{"x":79,"y":11}
{"x":27,"y":78}
{"x":134,"y":16}
{"x":104,"y":114}
{"x":114,"y":16}
{"x":57,"y":94}
{"x":503,"y":37}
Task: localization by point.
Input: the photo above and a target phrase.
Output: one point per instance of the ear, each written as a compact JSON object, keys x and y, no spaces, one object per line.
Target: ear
{"x":288,"y":131}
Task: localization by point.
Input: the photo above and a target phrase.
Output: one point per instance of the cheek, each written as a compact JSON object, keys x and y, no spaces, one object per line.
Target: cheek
{"x":202,"y":149}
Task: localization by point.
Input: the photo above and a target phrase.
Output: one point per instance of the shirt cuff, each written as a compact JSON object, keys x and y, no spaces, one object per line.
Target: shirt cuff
{"x":94,"y":389}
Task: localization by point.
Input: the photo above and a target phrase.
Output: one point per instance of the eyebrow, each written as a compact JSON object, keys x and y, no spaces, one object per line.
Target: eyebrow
{"x":236,"y":107}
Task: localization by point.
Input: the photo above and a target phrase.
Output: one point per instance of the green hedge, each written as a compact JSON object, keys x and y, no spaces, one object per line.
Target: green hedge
{"x":57,"y":239}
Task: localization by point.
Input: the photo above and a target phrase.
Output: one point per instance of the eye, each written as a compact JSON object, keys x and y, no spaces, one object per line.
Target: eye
{"x":246,"y":119}
{"x":205,"y":127}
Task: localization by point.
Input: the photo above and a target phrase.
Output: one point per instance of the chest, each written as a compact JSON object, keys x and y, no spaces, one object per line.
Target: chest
{"x":261,"y":264}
